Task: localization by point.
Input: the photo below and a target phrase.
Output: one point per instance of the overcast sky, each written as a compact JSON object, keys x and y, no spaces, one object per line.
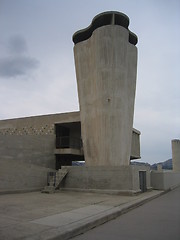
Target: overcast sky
{"x":37,"y":74}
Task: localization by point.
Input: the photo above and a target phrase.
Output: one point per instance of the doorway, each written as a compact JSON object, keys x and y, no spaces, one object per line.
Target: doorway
{"x":142,"y":181}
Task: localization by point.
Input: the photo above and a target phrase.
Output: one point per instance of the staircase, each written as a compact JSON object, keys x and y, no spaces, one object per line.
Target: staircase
{"x":54,"y":180}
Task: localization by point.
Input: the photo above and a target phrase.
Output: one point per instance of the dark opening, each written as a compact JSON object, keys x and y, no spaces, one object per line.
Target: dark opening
{"x":62,"y":136}
{"x":67,"y":160}
{"x":142,"y":181}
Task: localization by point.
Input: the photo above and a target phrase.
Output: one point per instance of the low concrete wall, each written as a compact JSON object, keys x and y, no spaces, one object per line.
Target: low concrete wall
{"x":124,"y":178}
{"x":16,"y":176}
{"x":165,"y":180}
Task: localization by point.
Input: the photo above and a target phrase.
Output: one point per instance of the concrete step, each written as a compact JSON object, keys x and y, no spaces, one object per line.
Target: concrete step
{"x":48,"y":189}
{"x":51,"y":183}
{"x":60,"y":175}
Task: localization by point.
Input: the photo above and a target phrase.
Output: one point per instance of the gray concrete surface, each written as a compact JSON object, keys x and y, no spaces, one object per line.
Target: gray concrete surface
{"x":175,"y":143}
{"x":27,"y":149}
{"x":106,"y":65}
{"x":158,"y":219}
{"x":62,"y":215}
{"x":165,"y":179}
{"x":31,"y":140}
{"x":121,"y":179}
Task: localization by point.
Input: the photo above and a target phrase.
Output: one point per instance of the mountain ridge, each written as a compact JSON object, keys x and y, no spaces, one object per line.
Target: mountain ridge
{"x":167,"y":165}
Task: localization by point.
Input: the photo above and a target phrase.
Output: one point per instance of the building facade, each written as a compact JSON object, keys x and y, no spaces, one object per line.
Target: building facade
{"x":32,"y":146}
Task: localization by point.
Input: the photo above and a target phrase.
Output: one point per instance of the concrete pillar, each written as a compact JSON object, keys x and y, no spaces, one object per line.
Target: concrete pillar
{"x":106,"y":63}
{"x":159,"y":167}
{"x":176,"y":154}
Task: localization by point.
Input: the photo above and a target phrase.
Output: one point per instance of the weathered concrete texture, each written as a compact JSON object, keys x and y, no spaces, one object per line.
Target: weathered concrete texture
{"x":32,"y":139}
{"x":176,"y":154}
{"x":164,"y":180}
{"x":106,"y":76}
{"x":124,"y":179}
{"x":32,"y":149}
{"x":27,"y":150}
{"x":62,"y":215}
{"x":28,"y":146}
{"x":36,"y":124}
{"x":16,"y":176}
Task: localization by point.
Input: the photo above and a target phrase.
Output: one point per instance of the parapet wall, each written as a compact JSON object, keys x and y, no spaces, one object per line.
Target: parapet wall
{"x":165,"y":180}
{"x":124,"y":179}
{"x":18,"y":176}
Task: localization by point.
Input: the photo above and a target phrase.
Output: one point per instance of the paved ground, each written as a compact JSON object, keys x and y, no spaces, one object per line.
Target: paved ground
{"x":157,"y":219}
{"x":62,"y":215}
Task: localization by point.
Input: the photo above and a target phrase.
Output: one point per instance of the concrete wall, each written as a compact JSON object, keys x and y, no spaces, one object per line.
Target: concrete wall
{"x":165,"y":180}
{"x":106,"y":76}
{"x":27,"y":150}
{"x":124,"y":178}
{"x":32,"y":149}
{"x":17,"y":176}
{"x":32,"y":139}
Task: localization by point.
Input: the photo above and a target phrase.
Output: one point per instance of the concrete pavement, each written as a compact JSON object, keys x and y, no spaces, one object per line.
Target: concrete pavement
{"x":61,"y":215}
{"x":157,"y":219}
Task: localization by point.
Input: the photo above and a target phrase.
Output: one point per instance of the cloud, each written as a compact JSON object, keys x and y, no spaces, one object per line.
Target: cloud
{"x":16,"y":66}
{"x":17,"y":45}
{"x":17,"y":62}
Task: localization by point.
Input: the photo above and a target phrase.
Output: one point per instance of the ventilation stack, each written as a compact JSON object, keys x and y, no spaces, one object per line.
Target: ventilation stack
{"x":106,"y":65}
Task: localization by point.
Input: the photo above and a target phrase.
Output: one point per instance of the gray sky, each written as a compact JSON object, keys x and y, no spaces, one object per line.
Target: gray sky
{"x":37,"y":74}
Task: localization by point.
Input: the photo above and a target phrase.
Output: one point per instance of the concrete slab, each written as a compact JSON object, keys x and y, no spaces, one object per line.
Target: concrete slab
{"x":62,"y":219}
{"x":61,"y":215}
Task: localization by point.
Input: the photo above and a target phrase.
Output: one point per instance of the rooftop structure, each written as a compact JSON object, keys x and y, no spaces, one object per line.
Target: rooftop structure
{"x":101,"y":134}
{"x":106,"y":64}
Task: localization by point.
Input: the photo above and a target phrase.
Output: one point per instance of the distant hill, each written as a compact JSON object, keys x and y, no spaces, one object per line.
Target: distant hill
{"x":165,"y":165}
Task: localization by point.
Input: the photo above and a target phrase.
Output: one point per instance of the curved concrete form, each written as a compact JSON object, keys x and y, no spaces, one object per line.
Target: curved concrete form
{"x":106,"y":65}
{"x":103,"y":19}
{"x":176,"y":154}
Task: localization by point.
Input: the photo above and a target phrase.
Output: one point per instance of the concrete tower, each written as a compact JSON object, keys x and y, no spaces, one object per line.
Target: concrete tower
{"x":176,"y":154}
{"x":106,"y":64}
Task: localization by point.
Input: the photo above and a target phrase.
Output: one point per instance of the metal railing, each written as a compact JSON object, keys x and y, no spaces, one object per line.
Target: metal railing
{"x":68,"y":142}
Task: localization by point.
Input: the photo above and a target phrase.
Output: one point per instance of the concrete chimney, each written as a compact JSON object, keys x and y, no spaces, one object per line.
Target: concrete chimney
{"x":176,"y":154}
{"x":106,"y":64}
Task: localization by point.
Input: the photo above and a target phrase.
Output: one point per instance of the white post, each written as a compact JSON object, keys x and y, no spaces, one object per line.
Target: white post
{"x":176,"y":154}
